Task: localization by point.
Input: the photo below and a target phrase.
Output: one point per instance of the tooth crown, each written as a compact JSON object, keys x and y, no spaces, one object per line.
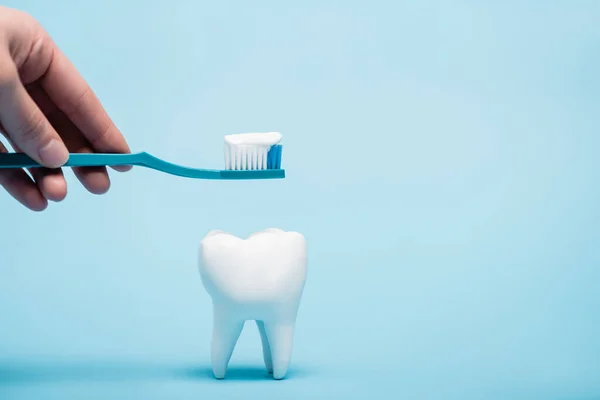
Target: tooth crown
{"x":268,"y":266}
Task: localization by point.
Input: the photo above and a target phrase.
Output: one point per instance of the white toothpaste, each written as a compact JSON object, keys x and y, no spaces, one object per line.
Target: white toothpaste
{"x":266,"y":139}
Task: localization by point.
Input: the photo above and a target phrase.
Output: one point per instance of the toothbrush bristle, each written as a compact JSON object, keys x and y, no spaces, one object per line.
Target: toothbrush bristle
{"x":274,"y":157}
{"x":245,"y":158}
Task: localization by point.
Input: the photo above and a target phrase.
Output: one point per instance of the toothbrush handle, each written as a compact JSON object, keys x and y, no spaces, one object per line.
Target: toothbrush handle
{"x":22,"y":160}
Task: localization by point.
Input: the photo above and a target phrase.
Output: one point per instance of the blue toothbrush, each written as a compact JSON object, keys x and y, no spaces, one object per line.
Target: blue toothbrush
{"x":273,"y":171}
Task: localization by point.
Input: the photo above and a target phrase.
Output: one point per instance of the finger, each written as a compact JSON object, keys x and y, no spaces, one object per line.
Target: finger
{"x":27,"y":126}
{"x":20,"y":186}
{"x":94,"y":179}
{"x":51,"y":182}
{"x":74,"y":97}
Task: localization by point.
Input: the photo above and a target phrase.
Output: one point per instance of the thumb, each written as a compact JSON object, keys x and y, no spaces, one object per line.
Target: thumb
{"x":25,"y":124}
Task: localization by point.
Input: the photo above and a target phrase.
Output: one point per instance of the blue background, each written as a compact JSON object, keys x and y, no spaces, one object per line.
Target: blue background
{"x":442,"y":161}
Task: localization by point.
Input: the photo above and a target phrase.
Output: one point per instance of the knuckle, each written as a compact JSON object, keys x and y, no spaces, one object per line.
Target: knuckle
{"x":73,"y":109}
{"x":19,"y":29}
{"x":17,"y":18}
{"x":99,"y":141}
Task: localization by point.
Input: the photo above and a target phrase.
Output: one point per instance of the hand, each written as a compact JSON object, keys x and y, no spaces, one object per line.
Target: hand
{"x":46,"y":111}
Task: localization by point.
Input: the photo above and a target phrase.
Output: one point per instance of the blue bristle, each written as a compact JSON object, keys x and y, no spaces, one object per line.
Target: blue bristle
{"x":274,"y":157}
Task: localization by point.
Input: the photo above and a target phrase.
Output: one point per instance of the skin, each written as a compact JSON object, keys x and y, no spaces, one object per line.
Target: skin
{"x":46,"y":111}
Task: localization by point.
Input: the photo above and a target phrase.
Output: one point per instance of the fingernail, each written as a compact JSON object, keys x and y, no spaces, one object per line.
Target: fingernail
{"x":54,"y":154}
{"x":122,"y":168}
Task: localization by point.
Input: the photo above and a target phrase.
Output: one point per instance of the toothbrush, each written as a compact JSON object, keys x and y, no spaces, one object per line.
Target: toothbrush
{"x":243,"y":161}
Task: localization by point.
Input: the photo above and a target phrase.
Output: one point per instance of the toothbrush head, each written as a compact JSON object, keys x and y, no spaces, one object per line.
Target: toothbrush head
{"x":253,"y":151}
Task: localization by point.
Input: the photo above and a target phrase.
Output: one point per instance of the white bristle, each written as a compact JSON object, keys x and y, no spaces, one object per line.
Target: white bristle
{"x":227,"y":156}
{"x":242,"y":158}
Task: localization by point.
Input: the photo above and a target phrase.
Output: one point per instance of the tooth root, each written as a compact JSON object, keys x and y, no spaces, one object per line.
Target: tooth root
{"x":226,"y":332}
{"x":265,"y":346}
{"x":280,"y":336}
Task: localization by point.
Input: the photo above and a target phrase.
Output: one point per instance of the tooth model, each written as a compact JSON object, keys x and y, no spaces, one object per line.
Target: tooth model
{"x":260,"y":278}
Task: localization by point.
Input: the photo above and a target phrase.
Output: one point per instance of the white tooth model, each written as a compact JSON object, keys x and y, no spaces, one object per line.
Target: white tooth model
{"x":260,"y":278}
